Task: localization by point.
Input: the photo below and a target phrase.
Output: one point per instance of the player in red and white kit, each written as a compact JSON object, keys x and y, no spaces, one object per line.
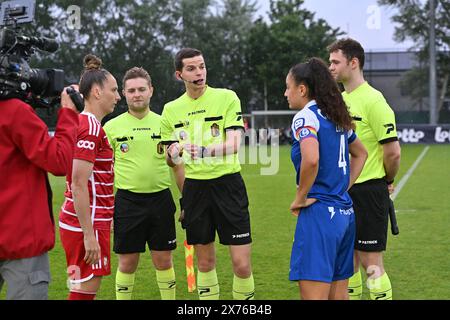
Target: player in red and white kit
{"x":87,"y":212}
{"x":92,"y":146}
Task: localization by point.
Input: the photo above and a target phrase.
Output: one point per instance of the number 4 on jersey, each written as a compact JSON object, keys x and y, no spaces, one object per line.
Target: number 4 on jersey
{"x":342,"y":163}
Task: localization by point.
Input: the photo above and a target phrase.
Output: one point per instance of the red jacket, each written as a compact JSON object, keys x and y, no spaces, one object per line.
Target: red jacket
{"x":27,"y":153}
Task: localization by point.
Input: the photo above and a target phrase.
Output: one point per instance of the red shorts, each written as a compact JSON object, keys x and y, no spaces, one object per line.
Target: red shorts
{"x":77,"y":269}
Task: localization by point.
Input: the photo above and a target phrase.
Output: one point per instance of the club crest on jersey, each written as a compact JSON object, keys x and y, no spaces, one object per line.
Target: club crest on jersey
{"x":304,"y":132}
{"x":182,"y":135}
{"x":299,"y":123}
{"x":124,"y":147}
{"x":215,"y":132}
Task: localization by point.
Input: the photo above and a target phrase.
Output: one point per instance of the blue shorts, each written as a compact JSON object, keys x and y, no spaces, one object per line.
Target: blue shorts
{"x":323,"y":244}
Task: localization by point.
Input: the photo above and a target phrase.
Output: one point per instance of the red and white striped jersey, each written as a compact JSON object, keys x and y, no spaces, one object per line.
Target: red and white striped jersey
{"x":93,"y":146}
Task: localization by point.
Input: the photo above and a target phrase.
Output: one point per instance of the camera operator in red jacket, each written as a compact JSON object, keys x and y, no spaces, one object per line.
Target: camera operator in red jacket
{"x":27,"y":153}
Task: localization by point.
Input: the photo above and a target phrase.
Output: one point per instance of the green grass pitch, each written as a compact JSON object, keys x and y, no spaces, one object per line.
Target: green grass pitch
{"x":416,"y":260}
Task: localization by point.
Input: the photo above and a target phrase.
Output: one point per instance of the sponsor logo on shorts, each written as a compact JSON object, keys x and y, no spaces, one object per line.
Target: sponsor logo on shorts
{"x":84,"y":144}
{"x":346,"y":212}
{"x":368,"y":241}
{"x":172,"y":241}
{"x":331,"y":211}
{"x":242,"y":235}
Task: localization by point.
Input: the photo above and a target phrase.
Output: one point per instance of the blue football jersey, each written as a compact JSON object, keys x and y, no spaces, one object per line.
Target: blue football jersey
{"x":330,"y":186}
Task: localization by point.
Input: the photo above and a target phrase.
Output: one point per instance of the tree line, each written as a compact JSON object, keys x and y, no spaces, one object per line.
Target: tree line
{"x":413,"y":22}
{"x":245,"y":52}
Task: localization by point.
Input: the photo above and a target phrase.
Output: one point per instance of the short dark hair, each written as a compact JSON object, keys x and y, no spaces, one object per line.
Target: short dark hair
{"x":350,"y":48}
{"x":136,"y":72}
{"x":93,"y":73}
{"x":183,"y":54}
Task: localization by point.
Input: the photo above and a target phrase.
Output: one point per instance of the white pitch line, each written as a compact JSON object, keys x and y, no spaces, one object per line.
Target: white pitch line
{"x":408,"y":174}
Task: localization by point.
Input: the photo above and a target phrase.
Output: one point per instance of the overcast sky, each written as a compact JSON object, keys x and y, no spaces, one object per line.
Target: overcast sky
{"x":363,"y":20}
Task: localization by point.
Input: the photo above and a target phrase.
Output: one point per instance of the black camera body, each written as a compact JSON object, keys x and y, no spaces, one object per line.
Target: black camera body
{"x":37,"y":87}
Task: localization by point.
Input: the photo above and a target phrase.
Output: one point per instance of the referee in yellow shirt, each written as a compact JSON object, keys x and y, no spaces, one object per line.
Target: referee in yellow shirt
{"x":207,"y":123}
{"x":144,"y":207}
{"x":376,"y":128}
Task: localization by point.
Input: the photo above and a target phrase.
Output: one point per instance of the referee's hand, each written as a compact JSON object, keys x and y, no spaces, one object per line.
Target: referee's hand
{"x":175,"y":151}
{"x":391,"y":188}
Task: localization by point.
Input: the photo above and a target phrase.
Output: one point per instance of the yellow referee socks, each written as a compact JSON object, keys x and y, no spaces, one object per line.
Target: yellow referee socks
{"x":208,"y":285}
{"x":355,"y":286}
{"x":124,"y":285}
{"x":243,"y":289}
{"x":380,"y":288}
{"x":166,"y":283}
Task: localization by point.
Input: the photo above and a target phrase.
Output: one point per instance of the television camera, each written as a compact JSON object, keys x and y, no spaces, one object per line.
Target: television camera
{"x":37,"y":87}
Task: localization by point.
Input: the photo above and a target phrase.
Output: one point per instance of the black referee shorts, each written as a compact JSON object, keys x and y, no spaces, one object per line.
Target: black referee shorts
{"x":371,"y":205}
{"x":141,"y":218}
{"x":219,"y":204}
